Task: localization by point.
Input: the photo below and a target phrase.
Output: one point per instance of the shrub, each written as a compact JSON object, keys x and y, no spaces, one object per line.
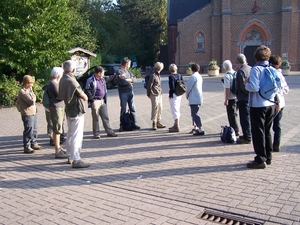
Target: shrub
{"x":136,"y":72}
{"x":9,"y":88}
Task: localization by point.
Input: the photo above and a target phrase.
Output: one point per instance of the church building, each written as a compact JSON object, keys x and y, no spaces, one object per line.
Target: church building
{"x":202,"y":30}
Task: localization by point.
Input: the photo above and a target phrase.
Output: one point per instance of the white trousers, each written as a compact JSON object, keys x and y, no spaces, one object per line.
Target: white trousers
{"x":75,"y":136}
{"x":175,"y":103}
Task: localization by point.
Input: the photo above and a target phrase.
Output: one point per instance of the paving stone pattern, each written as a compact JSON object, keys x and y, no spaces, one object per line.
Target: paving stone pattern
{"x":151,"y":177}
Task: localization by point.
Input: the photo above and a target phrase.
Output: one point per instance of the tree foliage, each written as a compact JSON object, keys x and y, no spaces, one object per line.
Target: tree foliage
{"x":36,"y":34}
{"x":146,"y":22}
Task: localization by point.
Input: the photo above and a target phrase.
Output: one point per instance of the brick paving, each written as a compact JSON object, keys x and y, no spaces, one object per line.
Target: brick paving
{"x":151,"y":177}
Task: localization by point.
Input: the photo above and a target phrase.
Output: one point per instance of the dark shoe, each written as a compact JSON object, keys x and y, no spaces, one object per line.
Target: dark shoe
{"x":136,"y":127}
{"x":243,"y":141}
{"x":255,"y":165}
{"x":52,"y":142}
{"x":36,"y":147}
{"x":61,"y":155}
{"x":198,"y":132}
{"x":80,"y":164}
{"x":175,"y":128}
{"x":192,"y":131}
{"x":154,"y":126}
{"x":121,"y":129}
{"x":160,"y":125}
{"x":28,"y":150}
{"x":97,"y":136}
{"x":276,"y":148}
{"x":269,"y":161}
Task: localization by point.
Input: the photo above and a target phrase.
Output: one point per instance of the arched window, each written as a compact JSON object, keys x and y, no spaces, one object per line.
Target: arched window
{"x":200,"y":42}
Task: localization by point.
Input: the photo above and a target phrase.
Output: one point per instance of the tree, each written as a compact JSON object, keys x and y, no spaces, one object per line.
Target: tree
{"x":36,"y":34}
{"x":146,"y":22}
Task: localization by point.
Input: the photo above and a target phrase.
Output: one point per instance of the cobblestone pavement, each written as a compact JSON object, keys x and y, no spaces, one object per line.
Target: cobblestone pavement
{"x":151,"y":177}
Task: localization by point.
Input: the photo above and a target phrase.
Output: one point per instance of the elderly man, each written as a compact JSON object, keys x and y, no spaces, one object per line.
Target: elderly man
{"x":70,"y":91}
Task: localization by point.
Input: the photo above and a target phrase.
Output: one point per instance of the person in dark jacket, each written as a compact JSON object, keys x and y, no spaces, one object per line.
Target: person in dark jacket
{"x":175,"y":101}
{"x":242,"y":95}
{"x":97,"y":97}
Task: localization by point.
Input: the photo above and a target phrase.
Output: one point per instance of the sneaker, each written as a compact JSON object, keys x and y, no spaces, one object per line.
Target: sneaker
{"x":136,"y":127}
{"x":243,"y":141}
{"x":61,"y":155}
{"x":97,"y":136}
{"x":80,"y":164}
{"x":199,"y":132}
{"x":63,"y":150}
{"x":154,"y":126}
{"x":255,"y":165}
{"x":28,"y":150}
{"x":112,"y":135}
{"x":36,"y":147}
{"x":175,"y":128}
{"x":160,"y":125}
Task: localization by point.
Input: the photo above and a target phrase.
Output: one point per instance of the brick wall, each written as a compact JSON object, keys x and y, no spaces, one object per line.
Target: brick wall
{"x":223,"y":22}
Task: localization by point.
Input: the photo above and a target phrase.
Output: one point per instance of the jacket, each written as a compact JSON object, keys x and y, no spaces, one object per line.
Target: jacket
{"x":194,"y":89}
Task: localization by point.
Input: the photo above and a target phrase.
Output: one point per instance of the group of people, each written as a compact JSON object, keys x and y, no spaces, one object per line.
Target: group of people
{"x":193,"y":94}
{"x":257,"y":114}
{"x":68,"y":98}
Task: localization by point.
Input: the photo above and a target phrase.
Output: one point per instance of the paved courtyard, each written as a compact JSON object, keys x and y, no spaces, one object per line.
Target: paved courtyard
{"x":152,"y":177}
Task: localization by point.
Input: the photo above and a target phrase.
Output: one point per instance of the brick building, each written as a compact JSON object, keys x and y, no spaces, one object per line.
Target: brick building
{"x":202,"y":30}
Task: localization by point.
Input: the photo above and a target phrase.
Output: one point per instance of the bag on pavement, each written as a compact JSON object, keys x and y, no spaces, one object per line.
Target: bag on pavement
{"x":127,"y":121}
{"x":227,"y":134}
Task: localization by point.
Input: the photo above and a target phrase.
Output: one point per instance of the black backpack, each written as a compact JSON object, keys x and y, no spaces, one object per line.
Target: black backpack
{"x":146,"y":80}
{"x":233,"y":85}
{"x":127,"y":121}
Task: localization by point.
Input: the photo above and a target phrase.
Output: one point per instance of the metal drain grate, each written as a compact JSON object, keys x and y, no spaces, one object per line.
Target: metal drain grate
{"x":223,"y":218}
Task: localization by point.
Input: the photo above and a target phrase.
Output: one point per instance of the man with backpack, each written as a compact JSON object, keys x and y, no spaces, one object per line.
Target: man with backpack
{"x":242,"y":95}
{"x":230,"y":98}
{"x":261,"y":110}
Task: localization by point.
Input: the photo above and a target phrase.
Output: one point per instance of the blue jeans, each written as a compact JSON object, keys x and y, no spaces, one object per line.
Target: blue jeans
{"x":244,"y":111}
{"x":277,"y":128}
{"x":127,"y":98}
{"x":196,"y":119}
{"x":30,"y":130}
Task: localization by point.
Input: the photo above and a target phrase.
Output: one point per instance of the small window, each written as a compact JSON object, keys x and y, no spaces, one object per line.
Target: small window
{"x":200,"y":43}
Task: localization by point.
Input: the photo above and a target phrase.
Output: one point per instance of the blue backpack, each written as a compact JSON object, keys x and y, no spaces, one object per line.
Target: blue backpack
{"x":227,"y":135}
{"x":270,"y":84}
